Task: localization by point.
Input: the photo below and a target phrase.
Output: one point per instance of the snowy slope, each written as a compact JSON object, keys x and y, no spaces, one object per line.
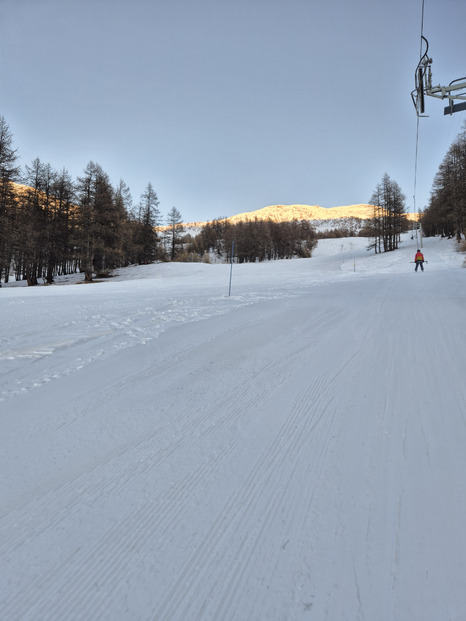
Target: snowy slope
{"x":294,"y":451}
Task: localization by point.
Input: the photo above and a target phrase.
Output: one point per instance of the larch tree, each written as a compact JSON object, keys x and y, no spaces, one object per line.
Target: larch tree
{"x":34,"y":207}
{"x":96,"y":220}
{"x":175,"y":228}
{"x":389,"y":219}
{"x":149,"y":220}
{"x":446,"y":213}
{"x":124,"y":207}
{"x":9,"y":174}
{"x":63,"y":260}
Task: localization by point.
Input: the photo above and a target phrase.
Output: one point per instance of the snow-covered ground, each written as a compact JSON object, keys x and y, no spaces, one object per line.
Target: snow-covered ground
{"x":295,"y":451}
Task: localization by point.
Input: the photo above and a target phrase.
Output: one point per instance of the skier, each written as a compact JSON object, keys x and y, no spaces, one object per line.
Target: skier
{"x":419,"y":260}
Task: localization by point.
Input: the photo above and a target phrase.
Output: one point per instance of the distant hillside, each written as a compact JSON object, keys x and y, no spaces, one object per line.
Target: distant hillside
{"x":287,"y":213}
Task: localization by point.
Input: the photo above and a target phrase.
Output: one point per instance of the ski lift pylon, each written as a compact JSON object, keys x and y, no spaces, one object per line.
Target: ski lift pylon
{"x":455,"y":91}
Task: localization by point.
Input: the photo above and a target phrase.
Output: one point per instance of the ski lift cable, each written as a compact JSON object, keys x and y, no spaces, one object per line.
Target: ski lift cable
{"x":421,"y":56}
{"x":422,"y":34}
{"x":417,"y":94}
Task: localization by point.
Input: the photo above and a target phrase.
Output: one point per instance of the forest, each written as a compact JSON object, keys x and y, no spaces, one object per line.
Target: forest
{"x":53,"y":225}
{"x":446,"y":212}
{"x":256,"y":240}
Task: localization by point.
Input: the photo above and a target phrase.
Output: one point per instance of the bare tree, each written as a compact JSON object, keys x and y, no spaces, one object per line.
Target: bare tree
{"x":388,"y":221}
{"x":97,"y":221}
{"x":9,"y":173}
{"x":62,"y":259}
{"x":446,"y":213}
{"x":175,"y":224}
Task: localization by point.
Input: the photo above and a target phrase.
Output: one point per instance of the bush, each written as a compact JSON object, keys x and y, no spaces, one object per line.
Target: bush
{"x":104,"y":274}
{"x":188,"y":257}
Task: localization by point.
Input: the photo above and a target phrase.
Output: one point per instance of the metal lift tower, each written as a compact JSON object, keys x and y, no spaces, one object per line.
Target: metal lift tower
{"x":455,"y":91}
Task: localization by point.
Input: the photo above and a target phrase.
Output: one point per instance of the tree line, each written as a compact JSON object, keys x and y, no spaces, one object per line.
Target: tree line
{"x":446,"y":212}
{"x":53,"y":225}
{"x":255,"y":240}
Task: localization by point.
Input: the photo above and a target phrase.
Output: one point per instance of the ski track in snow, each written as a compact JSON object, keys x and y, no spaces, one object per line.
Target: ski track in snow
{"x":293,"y":452}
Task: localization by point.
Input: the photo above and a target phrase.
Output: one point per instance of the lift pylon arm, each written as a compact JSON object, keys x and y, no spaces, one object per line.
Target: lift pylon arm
{"x":455,"y":91}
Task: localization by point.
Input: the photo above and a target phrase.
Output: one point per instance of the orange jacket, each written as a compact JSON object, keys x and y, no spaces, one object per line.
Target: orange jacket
{"x":419,"y":256}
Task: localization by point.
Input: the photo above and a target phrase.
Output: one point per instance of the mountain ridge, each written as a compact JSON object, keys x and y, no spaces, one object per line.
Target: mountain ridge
{"x":287,"y":213}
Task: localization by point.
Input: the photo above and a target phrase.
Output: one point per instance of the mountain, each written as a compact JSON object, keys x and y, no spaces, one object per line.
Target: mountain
{"x":287,"y":213}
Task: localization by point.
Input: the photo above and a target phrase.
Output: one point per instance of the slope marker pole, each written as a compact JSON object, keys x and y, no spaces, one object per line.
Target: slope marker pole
{"x":231,"y":266}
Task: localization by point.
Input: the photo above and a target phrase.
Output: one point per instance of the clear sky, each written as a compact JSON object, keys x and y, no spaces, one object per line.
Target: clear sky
{"x":228,"y":106}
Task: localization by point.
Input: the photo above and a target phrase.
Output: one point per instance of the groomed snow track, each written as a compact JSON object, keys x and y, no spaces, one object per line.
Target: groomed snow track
{"x":294,"y":452}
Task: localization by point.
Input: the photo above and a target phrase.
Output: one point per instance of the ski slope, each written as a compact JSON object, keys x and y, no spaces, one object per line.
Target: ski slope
{"x":294,"y":451}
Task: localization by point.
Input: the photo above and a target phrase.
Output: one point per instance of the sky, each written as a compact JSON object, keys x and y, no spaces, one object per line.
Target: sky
{"x":227,"y":106}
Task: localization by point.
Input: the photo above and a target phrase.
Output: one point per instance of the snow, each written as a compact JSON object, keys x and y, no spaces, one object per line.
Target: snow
{"x":294,"y":451}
